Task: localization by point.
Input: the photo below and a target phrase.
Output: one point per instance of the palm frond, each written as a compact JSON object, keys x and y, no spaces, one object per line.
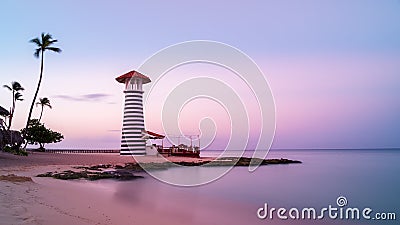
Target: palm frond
{"x":8,"y":87}
{"x":46,"y":36}
{"x":52,"y":41}
{"x":37,"y":52}
{"x":48,"y":43}
{"x":16,"y":86}
{"x":44,"y":43}
{"x":4,"y":112}
{"x":44,"y":102}
{"x":54,"y":49}
{"x":36,"y":41}
{"x":18,"y":96}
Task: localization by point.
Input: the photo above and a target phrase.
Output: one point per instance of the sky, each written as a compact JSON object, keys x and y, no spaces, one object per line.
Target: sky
{"x":333,"y":66}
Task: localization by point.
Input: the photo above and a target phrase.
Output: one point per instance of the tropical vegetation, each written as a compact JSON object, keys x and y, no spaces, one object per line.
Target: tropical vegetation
{"x":15,"y":89}
{"x":43,"y":43}
{"x":42,"y":103}
{"x":37,"y":133}
{"x":34,"y":131}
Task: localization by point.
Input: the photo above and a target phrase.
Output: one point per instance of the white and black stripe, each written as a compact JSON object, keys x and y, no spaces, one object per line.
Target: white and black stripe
{"x":132,"y":142}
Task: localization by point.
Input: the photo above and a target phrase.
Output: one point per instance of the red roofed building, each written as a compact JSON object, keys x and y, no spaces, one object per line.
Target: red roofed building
{"x":153,"y":135}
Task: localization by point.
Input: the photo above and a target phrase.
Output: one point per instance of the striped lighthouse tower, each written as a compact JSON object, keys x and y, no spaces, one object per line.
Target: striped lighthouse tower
{"x":132,"y":142}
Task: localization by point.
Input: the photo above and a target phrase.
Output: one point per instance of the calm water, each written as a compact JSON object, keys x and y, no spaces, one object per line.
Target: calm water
{"x":367,"y":178}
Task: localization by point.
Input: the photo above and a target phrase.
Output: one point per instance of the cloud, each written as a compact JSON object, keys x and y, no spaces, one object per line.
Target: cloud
{"x":95,"y":97}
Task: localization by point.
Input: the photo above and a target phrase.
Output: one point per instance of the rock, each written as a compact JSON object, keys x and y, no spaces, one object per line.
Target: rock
{"x":125,"y":172}
{"x":72,"y":175}
{"x":15,"y":178}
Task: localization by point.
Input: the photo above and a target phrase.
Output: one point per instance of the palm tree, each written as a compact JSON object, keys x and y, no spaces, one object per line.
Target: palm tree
{"x":4,"y":113}
{"x":16,"y":96}
{"x":43,"y":43}
{"x":43,"y":102}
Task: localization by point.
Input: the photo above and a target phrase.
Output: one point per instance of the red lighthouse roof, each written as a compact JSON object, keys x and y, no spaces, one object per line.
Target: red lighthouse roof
{"x":131,"y":74}
{"x":154,"y":135}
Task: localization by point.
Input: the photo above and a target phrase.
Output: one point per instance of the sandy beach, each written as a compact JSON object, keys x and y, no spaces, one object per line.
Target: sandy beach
{"x":234,"y":199}
{"x":27,"y":199}
{"x":37,"y":200}
{"x":45,"y":200}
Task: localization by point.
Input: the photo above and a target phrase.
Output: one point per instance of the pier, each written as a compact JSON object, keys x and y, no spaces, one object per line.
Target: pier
{"x":78,"y":151}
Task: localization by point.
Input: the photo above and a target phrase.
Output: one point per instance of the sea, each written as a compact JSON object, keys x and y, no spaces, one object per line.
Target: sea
{"x":346,"y":180}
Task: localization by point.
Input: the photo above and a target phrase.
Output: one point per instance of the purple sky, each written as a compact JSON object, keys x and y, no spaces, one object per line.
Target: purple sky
{"x":333,"y":66}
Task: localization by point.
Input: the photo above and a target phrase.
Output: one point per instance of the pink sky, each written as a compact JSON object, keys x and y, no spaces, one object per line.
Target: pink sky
{"x":332,"y":66}
{"x":320,"y":102}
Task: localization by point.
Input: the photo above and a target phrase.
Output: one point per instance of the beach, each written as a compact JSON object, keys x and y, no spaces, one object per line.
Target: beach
{"x":27,"y":199}
{"x":232,"y":199}
{"x":47,"y":201}
{"x":51,"y":201}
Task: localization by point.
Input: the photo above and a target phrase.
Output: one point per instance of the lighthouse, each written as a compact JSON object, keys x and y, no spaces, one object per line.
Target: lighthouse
{"x":132,"y":141}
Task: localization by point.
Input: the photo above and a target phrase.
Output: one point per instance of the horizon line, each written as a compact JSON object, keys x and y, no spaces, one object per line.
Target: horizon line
{"x":273,"y":149}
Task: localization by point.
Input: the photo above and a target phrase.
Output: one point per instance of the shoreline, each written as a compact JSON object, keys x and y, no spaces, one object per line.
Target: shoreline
{"x":28,"y":199}
{"x":112,"y":166}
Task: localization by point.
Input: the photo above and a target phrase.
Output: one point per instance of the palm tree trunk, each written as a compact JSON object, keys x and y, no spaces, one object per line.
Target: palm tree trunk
{"x":35,"y":96}
{"x":11,"y":111}
{"x":41,"y":113}
{"x":11,"y":117}
{"x":9,"y":121}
